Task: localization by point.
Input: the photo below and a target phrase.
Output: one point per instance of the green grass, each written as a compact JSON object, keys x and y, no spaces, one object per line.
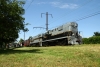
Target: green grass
{"x":54,"y":56}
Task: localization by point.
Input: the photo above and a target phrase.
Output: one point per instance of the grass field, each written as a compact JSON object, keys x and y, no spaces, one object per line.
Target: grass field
{"x":54,"y":56}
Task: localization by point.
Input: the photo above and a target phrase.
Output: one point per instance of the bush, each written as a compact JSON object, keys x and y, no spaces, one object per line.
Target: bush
{"x":92,"y":40}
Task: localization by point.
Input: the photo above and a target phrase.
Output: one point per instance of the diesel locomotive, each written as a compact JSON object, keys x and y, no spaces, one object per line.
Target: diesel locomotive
{"x":66,"y":34}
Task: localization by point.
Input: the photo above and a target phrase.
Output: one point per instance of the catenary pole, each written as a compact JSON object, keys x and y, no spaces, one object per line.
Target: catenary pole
{"x":46,"y":19}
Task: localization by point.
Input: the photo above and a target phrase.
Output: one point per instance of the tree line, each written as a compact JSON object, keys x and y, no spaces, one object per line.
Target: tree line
{"x":95,"y":39}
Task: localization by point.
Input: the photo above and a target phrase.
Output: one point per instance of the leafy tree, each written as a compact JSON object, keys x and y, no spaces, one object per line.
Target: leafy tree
{"x":96,"y":34}
{"x":26,"y":29}
{"x":11,"y":20}
{"x":30,"y":38}
{"x":21,"y":40}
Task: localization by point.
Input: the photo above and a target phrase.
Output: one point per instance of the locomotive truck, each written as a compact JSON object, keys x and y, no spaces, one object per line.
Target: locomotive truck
{"x":66,"y":34}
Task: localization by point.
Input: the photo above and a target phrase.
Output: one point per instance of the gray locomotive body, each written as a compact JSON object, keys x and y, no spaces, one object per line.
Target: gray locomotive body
{"x":63,"y":35}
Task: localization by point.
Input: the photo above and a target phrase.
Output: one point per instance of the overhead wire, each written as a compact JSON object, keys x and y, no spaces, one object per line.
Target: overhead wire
{"x":27,"y":9}
{"x":85,"y":17}
{"x":96,"y":13}
{"x":88,"y":11}
{"x":29,"y":5}
{"x":88,"y":16}
{"x":95,"y":8}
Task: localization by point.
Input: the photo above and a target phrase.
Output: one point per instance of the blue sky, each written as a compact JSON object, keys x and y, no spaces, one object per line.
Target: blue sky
{"x":63,"y":11}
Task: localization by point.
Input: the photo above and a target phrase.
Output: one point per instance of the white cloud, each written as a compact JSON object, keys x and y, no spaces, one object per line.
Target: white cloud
{"x":64,"y":5}
{"x":54,"y":3}
{"x":42,"y":3}
{"x":70,"y":6}
{"x":60,"y":5}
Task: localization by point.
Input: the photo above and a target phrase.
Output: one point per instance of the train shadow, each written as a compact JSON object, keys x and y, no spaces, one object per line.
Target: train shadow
{"x":13,"y":51}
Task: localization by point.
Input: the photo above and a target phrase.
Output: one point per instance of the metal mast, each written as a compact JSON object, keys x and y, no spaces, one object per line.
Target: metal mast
{"x":46,"y":19}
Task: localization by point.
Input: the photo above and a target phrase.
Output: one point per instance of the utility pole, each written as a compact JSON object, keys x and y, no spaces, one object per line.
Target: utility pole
{"x":46,"y":24}
{"x":46,"y":19}
{"x":25,"y":28}
{"x":24,"y":32}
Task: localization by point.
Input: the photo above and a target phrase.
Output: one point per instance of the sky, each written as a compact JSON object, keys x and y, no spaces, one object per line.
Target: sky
{"x":84,"y":12}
